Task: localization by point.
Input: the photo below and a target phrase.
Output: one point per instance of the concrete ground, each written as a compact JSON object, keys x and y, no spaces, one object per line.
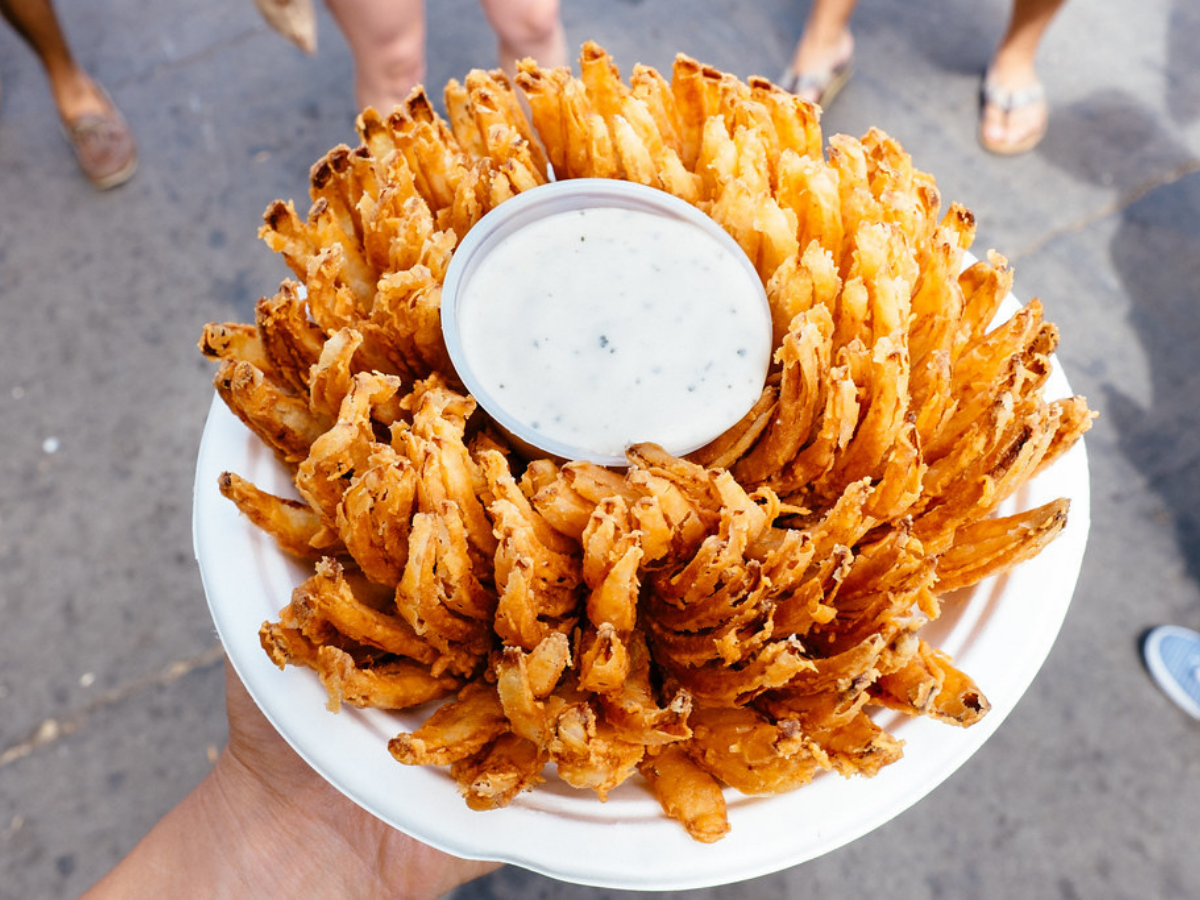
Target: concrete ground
{"x":110,"y":675}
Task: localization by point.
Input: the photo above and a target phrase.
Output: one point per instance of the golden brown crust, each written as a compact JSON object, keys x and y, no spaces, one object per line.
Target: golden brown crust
{"x":727,"y":619}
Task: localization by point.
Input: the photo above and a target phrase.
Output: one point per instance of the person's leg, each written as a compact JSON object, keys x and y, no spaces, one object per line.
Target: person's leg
{"x":524,"y":28}
{"x":824,"y":50}
{"x":75,"y":94}
{"x":1015,"y":114}
{"x":1014,"y":61}
{"x":387,"y":40}
{"x":99,"y":134}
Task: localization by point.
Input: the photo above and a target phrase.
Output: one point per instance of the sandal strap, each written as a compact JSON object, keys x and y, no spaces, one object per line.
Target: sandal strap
{"x":1009,"y":100}
{"x":819,"y":83}
{"x":92,"y":126}
{"x":795,"y":82}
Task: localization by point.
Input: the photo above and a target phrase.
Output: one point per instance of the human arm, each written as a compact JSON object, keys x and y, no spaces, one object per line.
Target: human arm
{"x":262,"y":823}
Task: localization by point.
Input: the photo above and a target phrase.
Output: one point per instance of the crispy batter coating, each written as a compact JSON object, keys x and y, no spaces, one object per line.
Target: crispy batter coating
{"x":725,"y":620}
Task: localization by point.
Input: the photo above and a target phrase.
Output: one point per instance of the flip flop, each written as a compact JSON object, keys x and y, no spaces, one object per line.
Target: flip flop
{"x":1007,"y":102}
{"x":824,"y":86}
{"x":1172,"y":656}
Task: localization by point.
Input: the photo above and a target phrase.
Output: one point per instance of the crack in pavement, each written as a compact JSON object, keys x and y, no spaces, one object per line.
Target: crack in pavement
{"x":53,"y":729}
{"x":1115,"y":207}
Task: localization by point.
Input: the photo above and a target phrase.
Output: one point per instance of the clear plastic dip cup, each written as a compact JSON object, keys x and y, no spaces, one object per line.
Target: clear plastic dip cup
{"x":591,"y":314}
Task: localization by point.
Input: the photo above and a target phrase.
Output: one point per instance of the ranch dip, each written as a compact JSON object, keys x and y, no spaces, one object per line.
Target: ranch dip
{"x":600,"y":327}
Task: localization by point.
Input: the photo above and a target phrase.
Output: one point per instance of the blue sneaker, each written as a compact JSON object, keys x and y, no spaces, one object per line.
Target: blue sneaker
{"x":1173,"y":657}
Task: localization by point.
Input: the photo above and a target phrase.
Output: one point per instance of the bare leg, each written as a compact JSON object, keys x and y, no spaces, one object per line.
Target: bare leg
{"x":1013,"y":69}
{"x":524,"y":28}
{"x":1013,"y":63}
{"x":75,"y":93}
{"x":826,"y":41}
{"x":387,"y":40}
{"x":104,"y":146}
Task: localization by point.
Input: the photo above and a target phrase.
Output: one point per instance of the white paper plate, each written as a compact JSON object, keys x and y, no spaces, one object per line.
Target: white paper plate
{"x":1000,"y":636}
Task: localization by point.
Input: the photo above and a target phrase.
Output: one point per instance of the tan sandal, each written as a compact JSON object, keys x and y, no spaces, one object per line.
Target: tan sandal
{"x":296,"y":20}
{"x":1007,"y":102}
{"x":103,"y":145}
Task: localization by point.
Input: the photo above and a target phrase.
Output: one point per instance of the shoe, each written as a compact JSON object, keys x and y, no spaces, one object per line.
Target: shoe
{"x":296,"y":20}
{"x":1007,"y":102}
{"x":819,"y":88}
{"x":1172,"y":655}
{"x":104,"y":146}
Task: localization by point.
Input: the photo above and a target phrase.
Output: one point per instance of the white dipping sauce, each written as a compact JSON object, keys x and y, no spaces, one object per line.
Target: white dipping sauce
{"x":602,"y":327}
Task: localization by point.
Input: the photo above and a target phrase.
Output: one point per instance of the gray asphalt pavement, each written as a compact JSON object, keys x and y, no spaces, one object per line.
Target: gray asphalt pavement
{"x":110,"y":674}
